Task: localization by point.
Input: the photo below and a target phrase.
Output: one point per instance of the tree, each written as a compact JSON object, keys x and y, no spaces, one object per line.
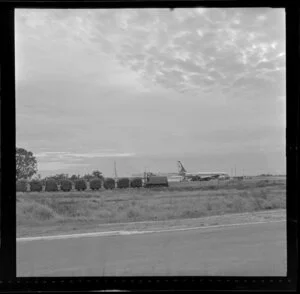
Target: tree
{"x":60,"y":177}
{"x":26,"y":164}
{"x":74,"y":178}
{"x":87,"y":177}
{"x":80,"y":185}
{"x":38,"y":177}
{"x":97,"y":174}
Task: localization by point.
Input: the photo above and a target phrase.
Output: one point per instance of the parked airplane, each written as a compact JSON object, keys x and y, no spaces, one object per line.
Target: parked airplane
{"x":200,"y":176}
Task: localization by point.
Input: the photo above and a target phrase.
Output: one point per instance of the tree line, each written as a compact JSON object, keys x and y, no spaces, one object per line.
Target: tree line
{"x":26,"y":169}
{"x":27,"y":177}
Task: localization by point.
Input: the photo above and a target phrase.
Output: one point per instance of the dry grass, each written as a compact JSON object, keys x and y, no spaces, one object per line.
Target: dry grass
{"x":180,"y":200}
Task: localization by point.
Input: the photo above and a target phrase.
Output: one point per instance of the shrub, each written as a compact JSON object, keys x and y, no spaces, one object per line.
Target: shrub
{"x":36,"y":186}
{"x":133,"y":213}
{"x":123,"y":183}
{"x":95,"y":184}
{"x":31,"y":212}
{"x":21,"y":186}
{"x":80,"y":185}
{"x":66,"y":185}
{"x":136,"y":183}
{"x":51,"y":186}
{"x":109,"y":183}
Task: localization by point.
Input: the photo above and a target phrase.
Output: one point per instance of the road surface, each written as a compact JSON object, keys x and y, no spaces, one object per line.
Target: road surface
{"x":246,"y":250}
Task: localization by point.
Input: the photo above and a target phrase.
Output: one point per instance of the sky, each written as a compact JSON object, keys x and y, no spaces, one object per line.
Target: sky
{"x":148,"y":87}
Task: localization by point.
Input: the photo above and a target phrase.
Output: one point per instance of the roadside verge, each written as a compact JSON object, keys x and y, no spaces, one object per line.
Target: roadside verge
{"x":164,"y":226}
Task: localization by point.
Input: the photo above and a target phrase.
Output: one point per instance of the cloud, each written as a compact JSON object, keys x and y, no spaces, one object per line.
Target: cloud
{"x":66,"y":155}
{"x":93,"y":155}
{"x":123,"y":83}
{"x":177,"y":49}
{"x":58,"y":165}
{"x":45,"y":154}
{"x":166,"y":48}
{"x":56,"y":160}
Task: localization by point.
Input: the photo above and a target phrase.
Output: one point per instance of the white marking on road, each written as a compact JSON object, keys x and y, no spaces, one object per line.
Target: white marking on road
{"x":120,"y":233}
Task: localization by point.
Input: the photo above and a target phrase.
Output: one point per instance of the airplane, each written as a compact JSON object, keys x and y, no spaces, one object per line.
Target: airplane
{"x":200,"y":176}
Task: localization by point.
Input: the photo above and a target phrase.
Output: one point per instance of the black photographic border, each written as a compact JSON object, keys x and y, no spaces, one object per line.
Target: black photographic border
{"x":9,"y":281}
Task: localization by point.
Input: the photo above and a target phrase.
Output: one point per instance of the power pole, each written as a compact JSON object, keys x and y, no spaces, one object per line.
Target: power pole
{"x":145,"y":174}
{"x":235,"y":171}
{"x":115,"y":168}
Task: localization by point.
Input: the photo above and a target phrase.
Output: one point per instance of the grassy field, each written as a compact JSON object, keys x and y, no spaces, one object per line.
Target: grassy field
{"x":60,"y":211}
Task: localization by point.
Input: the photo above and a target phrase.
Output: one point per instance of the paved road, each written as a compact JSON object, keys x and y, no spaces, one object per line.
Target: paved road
{"x":254,"y":249}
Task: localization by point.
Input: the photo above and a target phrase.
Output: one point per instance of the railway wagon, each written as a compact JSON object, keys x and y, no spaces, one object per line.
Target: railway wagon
{"x":156,"y":181}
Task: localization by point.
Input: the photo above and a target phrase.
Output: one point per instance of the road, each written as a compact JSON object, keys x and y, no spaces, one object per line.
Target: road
{"x":248,"y":250}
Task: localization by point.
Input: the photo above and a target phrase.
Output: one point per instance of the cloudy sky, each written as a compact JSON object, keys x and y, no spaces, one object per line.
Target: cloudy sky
{"x":148,"y":87}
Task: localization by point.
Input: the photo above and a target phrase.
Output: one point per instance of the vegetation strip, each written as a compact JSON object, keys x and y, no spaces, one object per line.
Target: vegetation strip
{"x":40,"y":213}
{"x":230,"y":219}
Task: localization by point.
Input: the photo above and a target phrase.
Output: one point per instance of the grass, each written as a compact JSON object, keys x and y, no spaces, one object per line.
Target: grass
{"x":180,"y":200}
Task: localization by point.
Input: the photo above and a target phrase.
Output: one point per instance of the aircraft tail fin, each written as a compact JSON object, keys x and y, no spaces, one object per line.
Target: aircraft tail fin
{"x":181,"y":169}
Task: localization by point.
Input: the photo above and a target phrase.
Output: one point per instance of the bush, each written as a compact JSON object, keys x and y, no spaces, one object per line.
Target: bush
{"x":95,"y":184}
{"x":80,"y":185}
{"x":136,"y":183}
{"x":21,"y":186}
{"x":51,"y":186}
{"x":123,"y":183}
{"x":109,"y":183}
{"x":133,"y":213}
{"x":66,"y":185}
{"x":36,"y":186}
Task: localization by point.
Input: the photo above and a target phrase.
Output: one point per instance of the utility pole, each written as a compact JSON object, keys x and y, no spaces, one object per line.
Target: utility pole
{"x":116,"y":175}
{"x":145,"y":174}
{"x":234,"y":170}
